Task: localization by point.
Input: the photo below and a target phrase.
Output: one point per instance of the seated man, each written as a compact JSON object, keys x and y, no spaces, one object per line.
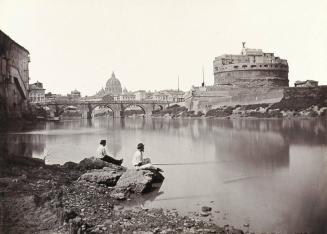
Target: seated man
{"x":102,"y":153}
{"x":142,"y":163}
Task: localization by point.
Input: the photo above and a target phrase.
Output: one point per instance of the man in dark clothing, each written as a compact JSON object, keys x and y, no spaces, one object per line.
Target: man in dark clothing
{"x":102,"y":153}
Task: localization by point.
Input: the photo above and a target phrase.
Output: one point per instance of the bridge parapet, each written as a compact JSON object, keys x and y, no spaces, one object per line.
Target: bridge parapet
{"x":72,"y":103}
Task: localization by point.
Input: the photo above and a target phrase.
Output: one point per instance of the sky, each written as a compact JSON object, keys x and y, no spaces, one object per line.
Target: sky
{"x":76,"y":44}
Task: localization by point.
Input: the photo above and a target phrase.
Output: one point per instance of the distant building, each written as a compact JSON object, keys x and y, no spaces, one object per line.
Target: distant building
{"x":114,"y":90}
{"x":75,"y":94}
{"x":36,"y":92}
{"x":14,"y":78}
{"x":101,"y":92}
{"x":126,"y":96}
{"x":149,"y":95}
{"x":174,"y":95}
{"x":307,"y":83}
{"x":160,"y":96}
{"x":51,"y":96}
{"x":252,"y":68}
{"x":113,"y":86}
{"x":140,"y":95}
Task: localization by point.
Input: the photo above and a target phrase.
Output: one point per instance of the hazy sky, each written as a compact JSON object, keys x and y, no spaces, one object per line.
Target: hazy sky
{"x":78,"y":43}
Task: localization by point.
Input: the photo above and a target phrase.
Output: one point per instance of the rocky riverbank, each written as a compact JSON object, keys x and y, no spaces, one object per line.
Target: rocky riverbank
{"x":286,"y":108}
{"x":89,"y":197}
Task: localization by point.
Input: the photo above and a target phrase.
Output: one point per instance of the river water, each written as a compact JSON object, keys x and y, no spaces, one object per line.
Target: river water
{"x":270,"y":174}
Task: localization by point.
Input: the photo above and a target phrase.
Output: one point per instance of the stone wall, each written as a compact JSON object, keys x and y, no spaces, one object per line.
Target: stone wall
{"x":288,"y":98}
{"x":301,"y":98}
{"x":205,"y":101}
{"x":253,"y":78}
{"x":14,"y":78}
{"x":314,"y":93}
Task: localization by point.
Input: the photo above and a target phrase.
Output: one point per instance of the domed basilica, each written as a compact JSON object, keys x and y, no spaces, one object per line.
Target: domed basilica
{"x":113,"y":86}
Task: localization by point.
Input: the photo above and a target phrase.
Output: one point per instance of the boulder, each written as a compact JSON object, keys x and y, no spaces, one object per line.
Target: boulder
{"x":96,"y":163}
{"x":206,"y":208}
{"x":139,"y":181}
{"x":71,"y":165}
{"x":107,"y":175}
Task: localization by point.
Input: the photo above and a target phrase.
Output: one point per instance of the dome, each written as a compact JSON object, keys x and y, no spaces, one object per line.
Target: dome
{"x":113,"y":85}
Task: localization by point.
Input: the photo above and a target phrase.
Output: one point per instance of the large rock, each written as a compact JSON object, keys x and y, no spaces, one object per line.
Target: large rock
{"x":71,"y":165}
{"x":96,"y":163}
{"x":139,"y":181}
{"x":108,"y":175}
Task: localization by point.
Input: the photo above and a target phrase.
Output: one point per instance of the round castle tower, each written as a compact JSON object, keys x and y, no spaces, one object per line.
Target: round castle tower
{"x":253,"y":68}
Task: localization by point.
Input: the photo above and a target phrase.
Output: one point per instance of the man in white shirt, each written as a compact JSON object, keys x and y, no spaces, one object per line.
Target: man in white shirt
{"x":102,"y":153}
{"x":139,"y":162}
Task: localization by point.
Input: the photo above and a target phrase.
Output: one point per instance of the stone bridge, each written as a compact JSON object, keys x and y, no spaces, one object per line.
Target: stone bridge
{"x":117,"y":107}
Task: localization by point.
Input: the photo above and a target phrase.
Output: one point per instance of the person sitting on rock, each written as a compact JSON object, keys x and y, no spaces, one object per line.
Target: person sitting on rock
{"x":139,"y":162}
{"x":102,"y":153}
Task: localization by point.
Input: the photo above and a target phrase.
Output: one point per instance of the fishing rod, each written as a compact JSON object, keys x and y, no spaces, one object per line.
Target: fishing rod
{"x":189,"y":163}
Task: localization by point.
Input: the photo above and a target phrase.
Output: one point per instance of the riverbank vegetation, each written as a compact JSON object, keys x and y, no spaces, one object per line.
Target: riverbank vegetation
{"x":286,"y":108}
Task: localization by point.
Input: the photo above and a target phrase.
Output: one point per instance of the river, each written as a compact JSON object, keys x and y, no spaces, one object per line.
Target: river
{"x":270,"y":174}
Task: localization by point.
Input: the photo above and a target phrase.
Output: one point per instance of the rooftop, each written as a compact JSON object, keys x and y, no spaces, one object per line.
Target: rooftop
{"x":1,"y":32}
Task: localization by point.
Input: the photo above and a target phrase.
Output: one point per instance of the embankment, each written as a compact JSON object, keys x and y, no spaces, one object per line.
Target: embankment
{"x":295,"y":102}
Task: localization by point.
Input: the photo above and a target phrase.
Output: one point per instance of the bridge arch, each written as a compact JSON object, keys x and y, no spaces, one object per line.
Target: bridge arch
{"x":124,"y":108}
{"x":113,"y":107}
{"x":104,"y":106}
{"x":69,"y":110}
{"x":158,"y":105}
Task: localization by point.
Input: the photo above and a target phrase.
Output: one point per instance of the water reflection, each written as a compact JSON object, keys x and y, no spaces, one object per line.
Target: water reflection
{"x":270,"y":173}
{"x":22,"y":145}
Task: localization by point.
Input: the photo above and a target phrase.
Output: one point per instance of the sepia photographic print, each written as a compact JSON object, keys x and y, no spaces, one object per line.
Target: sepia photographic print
{"x":163,"y":116}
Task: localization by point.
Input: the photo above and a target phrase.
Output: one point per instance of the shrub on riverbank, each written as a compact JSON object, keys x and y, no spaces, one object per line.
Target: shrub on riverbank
{"x":276,"y":110}
{"x":174,"y":110}
{"x":224,"y":111}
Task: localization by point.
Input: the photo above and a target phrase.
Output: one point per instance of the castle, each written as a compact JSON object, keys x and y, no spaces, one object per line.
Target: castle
{"x":253,"y":76}
{"x":250,"y":69}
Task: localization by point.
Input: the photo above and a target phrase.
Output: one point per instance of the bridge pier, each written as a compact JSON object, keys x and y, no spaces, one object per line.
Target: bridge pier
{"x":89,"y":111}
{"x":57,"y":111}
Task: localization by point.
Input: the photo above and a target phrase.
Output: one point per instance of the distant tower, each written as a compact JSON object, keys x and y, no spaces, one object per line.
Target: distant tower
{"x":243,"y":48}
{"x":178,"y":83}
{"x":202,"y":77}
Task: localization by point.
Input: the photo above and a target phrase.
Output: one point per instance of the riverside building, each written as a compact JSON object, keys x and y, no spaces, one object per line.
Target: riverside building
{"x":14,"y":78}
{"x":36,"y":93}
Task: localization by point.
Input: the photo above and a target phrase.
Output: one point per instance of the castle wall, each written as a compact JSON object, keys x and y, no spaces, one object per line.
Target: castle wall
{"x":205,"y":101}
{"x":285,"y":97}
{"x":313,"y":93}
{"x":252,"y":78}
